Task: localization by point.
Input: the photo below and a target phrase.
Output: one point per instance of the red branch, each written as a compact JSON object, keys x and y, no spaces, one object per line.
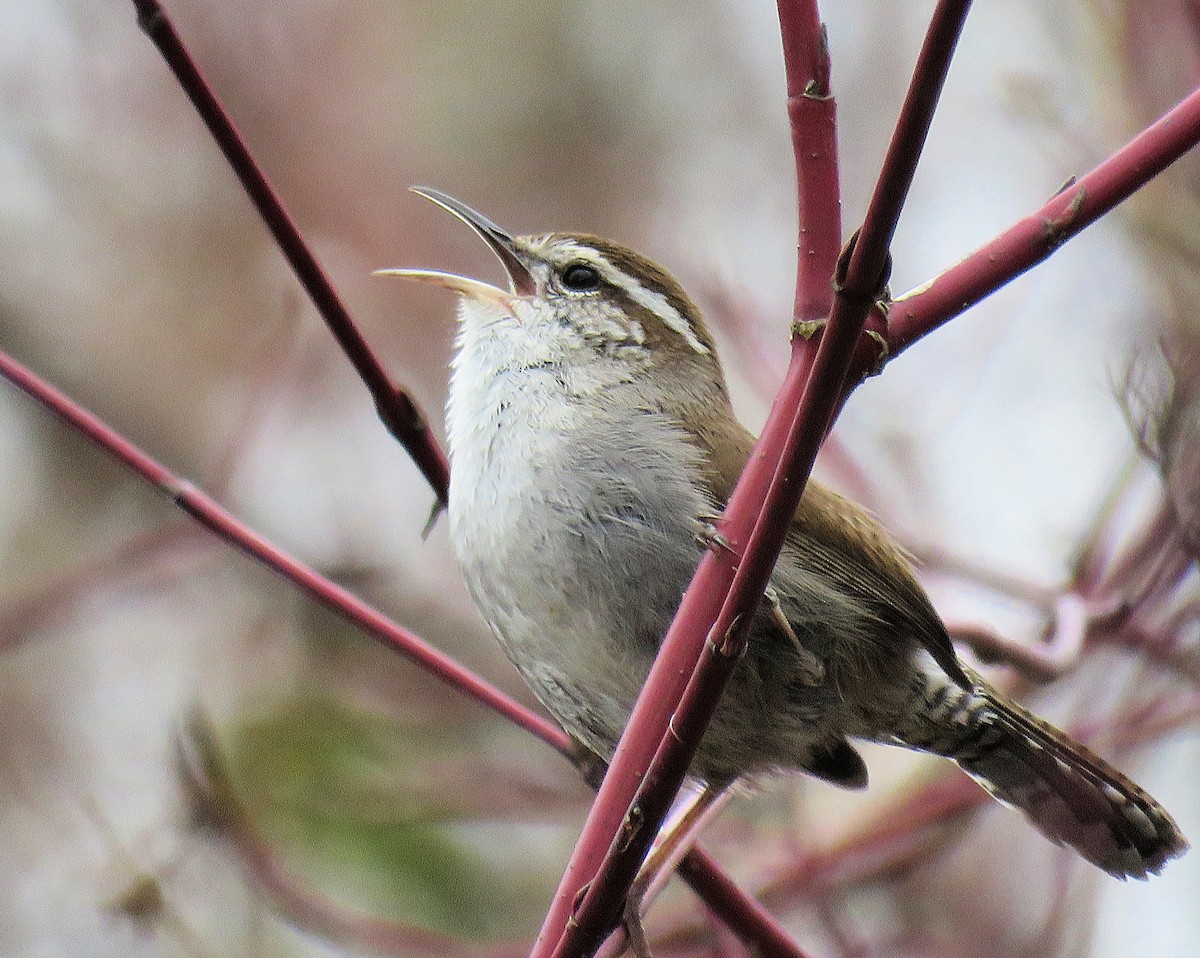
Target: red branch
{"x":216,"y":519}
{"x":751,"y":918}
{"x":396,"y":407}
{"x":1038,"y":235}
{"x":650,"y":762}
{"x":868,"y":257}
{"x":812,"y":112}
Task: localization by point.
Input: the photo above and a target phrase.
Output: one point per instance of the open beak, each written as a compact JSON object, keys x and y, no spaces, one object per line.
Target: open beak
{"x":500,"y":243}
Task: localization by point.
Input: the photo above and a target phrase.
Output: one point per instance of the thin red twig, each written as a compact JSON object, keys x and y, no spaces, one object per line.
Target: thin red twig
{"x":217,"y":520}
{"x":649,"y":765}
{"x":776,"y":943}
{"x":868,"y":258}
{"x":399,"y":412}
{"x":682,"y":645}
{"x":812,"y":113}
{"x":1038,"y":235}
{"x":1040,"y":663}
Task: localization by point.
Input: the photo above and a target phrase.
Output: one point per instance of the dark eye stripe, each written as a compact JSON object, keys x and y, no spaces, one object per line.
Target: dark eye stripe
{"x":619,"y":269}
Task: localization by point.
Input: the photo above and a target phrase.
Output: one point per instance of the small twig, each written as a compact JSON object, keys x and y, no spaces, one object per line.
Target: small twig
{"x":1034,"y":238}
{"x":1038,"y":663}
{"x":1166,"y":564}
{"x":217,"y":520}
{"x":396,"y":407}
{"x":869,"y":255}
{"x":1129,"y":569}
{"x":758,"y":514}
{"x":812,"y":113}
{"x":1093,"y":555}
{"x":936,"y":563}
{"x":748,"y":918}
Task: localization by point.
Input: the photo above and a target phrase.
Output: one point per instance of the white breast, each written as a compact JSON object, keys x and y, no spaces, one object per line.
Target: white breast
{"x":573,"y":524}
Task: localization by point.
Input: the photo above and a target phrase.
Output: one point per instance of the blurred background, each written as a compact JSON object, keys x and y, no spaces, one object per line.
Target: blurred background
{"x":338,"y":801}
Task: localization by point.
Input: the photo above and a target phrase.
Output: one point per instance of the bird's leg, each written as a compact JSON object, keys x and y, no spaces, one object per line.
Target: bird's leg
{"x":812,"y":669}
{"x":673,"y":842}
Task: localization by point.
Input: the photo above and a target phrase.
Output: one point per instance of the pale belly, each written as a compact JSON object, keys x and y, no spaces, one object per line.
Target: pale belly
{"x":578,"y":559}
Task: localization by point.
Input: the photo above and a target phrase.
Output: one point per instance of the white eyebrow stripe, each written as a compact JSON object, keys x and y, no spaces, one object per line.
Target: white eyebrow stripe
{"x":654,"y":301}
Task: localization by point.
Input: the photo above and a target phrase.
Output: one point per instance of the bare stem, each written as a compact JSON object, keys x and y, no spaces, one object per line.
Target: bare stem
{"x":216,"y":519}
{"x":749,"y":919}
{"x":396,"y":407}
{"x":650,"y":763}
{"x":812,"y":112}
{"x":1038,"y":235}
{"x":868,"y":258}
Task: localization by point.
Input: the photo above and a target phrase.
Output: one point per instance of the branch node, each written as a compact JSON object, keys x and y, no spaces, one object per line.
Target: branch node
{"x":707,"y":537}
{"x":1067,"y":184}
{"x":180,"y":490}
{"x":814,"y":91}
{"x":807,"y":328}
{"x":878,"y":289}
{"x":733,"y":643}
{"x":1057,"y":230}
{"x":883,"y":353}
{"x":579,"y":896}
{"x":633,"y":823}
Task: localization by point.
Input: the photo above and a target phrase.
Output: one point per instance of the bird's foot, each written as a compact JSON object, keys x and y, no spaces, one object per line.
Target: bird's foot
{"x":811,"y":669}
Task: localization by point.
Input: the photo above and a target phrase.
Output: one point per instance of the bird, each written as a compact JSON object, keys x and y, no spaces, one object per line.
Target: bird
{"x":591,"y":441}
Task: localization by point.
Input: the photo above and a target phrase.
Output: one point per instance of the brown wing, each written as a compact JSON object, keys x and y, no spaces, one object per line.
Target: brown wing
{"x":861,"y":556}
{"x":849,"y":546}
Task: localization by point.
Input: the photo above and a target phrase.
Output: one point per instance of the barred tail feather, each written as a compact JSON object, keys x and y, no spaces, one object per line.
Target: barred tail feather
{"x":1072,"y":796}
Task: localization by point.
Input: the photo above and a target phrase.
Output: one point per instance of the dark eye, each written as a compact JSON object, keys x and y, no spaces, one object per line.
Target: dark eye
{"x":581,"y":278}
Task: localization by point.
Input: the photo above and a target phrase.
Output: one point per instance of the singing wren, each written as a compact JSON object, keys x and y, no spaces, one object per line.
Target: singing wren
{"x":591,"y":434}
